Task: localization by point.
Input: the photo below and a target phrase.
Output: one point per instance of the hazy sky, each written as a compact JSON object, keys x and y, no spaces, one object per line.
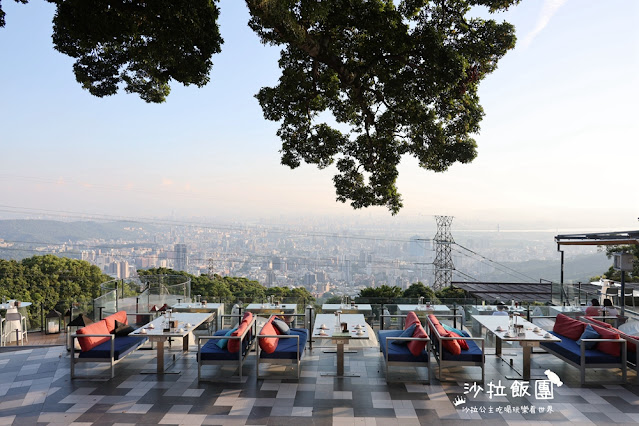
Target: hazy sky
{"x":558,"y":146}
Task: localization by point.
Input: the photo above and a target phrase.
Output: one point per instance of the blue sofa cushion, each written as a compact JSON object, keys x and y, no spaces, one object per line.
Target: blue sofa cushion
{"x":462,"y":333}
{"x":569,"y":349}
{"x":472,"y":354}
{"x":589,"y":333}
{"x":281,"y":326}
{"x":398,"y":353}
{"x":122,"y":346}
{"x":222,"y":343}
{"x":287,"y":346}
{"x":212,"y":352}
{"x":408,"y":332}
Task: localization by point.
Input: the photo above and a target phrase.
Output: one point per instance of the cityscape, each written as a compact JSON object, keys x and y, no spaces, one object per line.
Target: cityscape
{"x":338,"y":262}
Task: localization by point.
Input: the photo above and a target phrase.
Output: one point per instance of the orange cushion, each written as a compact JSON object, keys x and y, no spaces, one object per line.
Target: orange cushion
{"x":462,"y":343}
{"x":610,"y":348}
{"x":441,"y":330}
{"x":268,"y":344}
{"x":599,"y":323}
{"x":111,"y":319}
{"x":411,"y":319}
{"x":433,"y":319}
{"x":632,"y":347}
{"x":449,"y":345}
{"x":233,"y":345}
{"x":88,"y":343}
{"x":569,"y":327}
{"x":415,"y":346}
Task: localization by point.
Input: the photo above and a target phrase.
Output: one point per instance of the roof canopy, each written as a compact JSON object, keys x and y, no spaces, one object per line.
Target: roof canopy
{"x":598,"y":239}
{"x":519,"y":292}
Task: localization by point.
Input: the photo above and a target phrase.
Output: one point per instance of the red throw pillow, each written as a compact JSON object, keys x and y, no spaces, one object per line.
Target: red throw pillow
{"x":610,"y":348}
{"x":433,"y":319}
{"x":632,"y":347}
{"x":88,"y":343}
{"x":411,"y":319}
{"x":450,"y":345}
{"x":233,"y":345}
{"x":268,"y":344}
{"x":462,"y":343}
{"x":599,"y":323}
{"x":441,"y":330}
{"x":417,"y":346}
{"x":118,"y":316}
{"x":569,"y":327}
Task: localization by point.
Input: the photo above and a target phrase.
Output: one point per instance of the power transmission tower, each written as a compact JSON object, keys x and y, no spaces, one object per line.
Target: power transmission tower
{"x":443,"y":260}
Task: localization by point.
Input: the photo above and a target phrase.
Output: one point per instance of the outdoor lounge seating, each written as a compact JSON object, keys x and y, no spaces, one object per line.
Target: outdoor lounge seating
{"x":275,"y":346}
{"x":408,"y":347}
{"x":449,"y":350}
{"x":608,"y":351}
{"x":632,"y":342}
{"x":227,"y":346}
{"x":101,"y":343}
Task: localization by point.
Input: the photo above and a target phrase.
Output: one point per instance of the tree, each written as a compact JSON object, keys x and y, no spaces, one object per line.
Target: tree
{"x":384,"y":293}
{"x":452,"y":294}
{"x":417,"y":290}
{"x":48,"y":281}
{"x":612,"y":274}
{"x":398,"y":77}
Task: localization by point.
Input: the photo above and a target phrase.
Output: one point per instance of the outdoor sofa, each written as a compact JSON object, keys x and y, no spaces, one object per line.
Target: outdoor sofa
{"x":599,"y":347}
{"x":408,"y":347}
{"x":105,"y":341}
{"x":632,"y":342}
{"x":227,"y":346}
{"x":453,"y":347}
{"x":280,"y":344}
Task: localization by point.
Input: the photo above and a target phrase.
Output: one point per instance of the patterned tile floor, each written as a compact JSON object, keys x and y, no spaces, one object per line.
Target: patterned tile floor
{"x":35,"y":388}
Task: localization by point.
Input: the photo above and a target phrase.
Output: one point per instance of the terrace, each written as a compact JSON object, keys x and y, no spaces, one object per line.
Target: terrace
{"x":35,"y":387}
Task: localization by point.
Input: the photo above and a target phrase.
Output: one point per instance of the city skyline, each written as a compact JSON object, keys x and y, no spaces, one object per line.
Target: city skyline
{"x":558,"y":109}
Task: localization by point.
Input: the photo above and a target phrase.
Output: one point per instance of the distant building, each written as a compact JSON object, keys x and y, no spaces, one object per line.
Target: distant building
{"x":181,"y":260}
{"x":346,"y":271}
{"x":270,"y":278}
{"x":310,"y":278}
{"x":123,"y":269}
{"x":416,"y":247}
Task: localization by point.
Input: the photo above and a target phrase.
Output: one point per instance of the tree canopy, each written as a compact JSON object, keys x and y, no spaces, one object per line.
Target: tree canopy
{"x":417,"y":290}
{"x":395,"y":77}
{"x":613,"y":274}
{"x":48,"y":280}
{"x":382,"y":292}
{"x":217,"y":287}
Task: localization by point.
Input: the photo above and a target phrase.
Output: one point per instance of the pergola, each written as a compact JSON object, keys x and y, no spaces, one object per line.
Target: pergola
{"x":598,"y":239}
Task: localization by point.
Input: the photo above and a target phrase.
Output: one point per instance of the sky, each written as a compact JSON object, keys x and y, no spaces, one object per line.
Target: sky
{"x":557,"y":148}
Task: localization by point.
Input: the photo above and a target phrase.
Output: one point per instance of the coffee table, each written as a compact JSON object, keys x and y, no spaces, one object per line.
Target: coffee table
{"x":198,"y":307}
{"x":338,"y":337}
{"x":155,"y":332}
{"x":528,"y":339}
{"x":426,"y":309}
{"x":364,"y":308}
{"x":571,"y":311}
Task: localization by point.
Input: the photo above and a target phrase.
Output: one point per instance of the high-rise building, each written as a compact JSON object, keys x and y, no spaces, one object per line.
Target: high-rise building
{"x":123,"y":269}
{"x":181,"y":260}
{"x":270,"y":278}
